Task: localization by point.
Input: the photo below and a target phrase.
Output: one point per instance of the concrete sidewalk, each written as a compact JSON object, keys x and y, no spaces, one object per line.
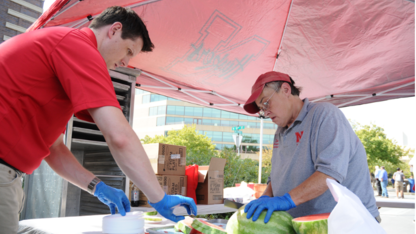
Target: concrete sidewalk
{"x":397,"y":220}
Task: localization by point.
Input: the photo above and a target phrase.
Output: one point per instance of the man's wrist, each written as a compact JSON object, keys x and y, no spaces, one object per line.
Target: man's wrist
{"x":92,"y":185}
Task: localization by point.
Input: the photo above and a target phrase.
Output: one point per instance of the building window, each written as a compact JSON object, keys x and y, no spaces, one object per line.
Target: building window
{"x":227,"y":137}
{"x":139,"y":92}
{"x":213,"y":122}
{"x":146,"y":98}
{"x":160,"y":121}
{"x":176,"y":110}
{"x":209,"y":112}
{"x":229,"y":123}
{"x":157,"y":110}
{"x":228,"y":115}
{"x":157,"y":97}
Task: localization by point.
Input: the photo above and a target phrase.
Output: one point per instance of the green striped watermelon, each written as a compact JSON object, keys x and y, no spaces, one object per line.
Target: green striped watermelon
{"x":280,"y":223}
{"x":311,"y":224}
{"x":185,"y":226}
{"x":207,"y":228}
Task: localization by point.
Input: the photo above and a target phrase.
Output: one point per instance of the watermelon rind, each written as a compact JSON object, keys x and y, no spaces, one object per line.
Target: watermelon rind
{"x":202,"y":227}
{"x":182,"y":227}
{"x":150,"y":213}
{"x":319,"y":226}
{"x":280,"y":223}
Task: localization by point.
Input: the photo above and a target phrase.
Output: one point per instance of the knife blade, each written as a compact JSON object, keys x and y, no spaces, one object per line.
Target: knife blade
{"x":233,"y":204}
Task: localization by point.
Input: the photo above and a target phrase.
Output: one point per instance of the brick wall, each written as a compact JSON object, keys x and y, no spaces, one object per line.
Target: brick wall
{"x":5,"y":17}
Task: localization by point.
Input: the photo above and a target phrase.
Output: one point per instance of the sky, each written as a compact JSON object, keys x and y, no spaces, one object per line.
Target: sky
{"x":396,"y":116}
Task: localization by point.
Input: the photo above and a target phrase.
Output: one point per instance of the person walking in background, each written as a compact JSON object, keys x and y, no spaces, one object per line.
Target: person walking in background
{"x":384,"y":181}
{"x":399,"y":178}
{"x":378,"y":184}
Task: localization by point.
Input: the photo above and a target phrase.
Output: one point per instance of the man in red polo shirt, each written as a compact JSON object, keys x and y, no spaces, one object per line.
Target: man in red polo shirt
{"x":48,"y":75}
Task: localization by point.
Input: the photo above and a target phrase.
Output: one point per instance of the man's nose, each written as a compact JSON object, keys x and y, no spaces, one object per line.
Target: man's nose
{"x":124,"y":62}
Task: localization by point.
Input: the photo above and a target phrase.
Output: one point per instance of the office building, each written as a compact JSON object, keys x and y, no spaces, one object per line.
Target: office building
{"x":17,"y":15}
{"x":156,"y":114}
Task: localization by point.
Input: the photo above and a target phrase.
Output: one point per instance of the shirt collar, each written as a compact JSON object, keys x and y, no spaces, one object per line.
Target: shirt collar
{"x":303,"y":111}
{"x":302,"y":114}
{"x":90,"y":35}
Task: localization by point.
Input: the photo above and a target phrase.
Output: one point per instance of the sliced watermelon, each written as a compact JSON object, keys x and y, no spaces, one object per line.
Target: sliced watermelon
{"x":311,"y":224}
{"x":207,"y":228}
{"x":185,"y":226}
{"x":280,"y":223}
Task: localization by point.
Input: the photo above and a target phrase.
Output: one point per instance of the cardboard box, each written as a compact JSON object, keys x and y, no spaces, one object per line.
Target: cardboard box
{"x":166,"y":159}
{"x":171,"y":184}
{"x":211,"y":182}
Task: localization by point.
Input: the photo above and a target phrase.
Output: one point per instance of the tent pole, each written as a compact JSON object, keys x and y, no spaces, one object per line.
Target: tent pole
{"x":261,"y":148}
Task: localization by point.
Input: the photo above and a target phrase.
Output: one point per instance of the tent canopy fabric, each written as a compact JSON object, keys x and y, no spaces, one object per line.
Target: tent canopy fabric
{"x":211,"y":52}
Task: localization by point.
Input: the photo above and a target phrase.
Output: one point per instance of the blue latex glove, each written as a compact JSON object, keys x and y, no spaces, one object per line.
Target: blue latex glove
{"x":166,"y":205}
{"x":272,"y":204}
{"x":113,"y":198}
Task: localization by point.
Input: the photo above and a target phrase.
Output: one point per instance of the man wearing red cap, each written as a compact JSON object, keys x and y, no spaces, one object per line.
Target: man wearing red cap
{"x":314,"y":141}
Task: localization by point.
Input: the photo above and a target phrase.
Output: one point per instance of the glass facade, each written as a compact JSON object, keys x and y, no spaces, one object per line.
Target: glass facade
{"x":173,"y":114}
{"x":157,"y":110}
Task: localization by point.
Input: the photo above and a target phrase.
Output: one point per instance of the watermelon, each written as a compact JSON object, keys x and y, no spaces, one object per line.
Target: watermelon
{"x":207,"y":228}
{"x":311,"y":224}
{"x":150,"y":213}
{"x":280,"y":223}
{"x":185,"y":226}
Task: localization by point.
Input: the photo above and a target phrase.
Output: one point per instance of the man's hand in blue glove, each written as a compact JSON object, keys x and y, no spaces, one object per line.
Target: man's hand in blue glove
{"x":271,"y":204}
{"x":113,"y":198}
{"x":166,"y":205}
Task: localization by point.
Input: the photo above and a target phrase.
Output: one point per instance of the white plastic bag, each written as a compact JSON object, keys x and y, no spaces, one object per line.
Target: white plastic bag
{"x":239,"y":194}
{"x":350,"y":215}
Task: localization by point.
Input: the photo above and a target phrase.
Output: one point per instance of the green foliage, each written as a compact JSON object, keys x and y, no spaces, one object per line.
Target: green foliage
{"x":381,"y":151}
{"x":199,"y":148}
{"x":266,"y":164}
{"x":237,"y":169}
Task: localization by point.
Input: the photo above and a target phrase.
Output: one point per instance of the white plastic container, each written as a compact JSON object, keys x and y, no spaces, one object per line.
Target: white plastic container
{"x":132,"y":223}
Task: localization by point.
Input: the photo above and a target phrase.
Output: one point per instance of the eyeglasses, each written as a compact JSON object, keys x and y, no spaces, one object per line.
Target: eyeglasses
{"x":265,"y":105}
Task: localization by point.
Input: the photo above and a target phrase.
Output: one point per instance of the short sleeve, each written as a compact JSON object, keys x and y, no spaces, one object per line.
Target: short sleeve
{"x":332,"y":142}
{"x":83,"y":74}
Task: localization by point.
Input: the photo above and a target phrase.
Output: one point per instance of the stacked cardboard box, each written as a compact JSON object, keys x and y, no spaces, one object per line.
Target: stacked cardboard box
{"x":168,"y":162}
{"x":210,"y":188}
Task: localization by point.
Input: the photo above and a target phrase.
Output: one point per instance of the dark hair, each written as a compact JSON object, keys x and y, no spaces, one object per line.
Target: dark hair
{"x":276,"y":85}
{"x":133,"y":26}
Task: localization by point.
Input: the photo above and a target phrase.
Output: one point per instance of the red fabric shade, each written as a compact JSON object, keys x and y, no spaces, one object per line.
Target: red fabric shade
{"x":211,"y":52}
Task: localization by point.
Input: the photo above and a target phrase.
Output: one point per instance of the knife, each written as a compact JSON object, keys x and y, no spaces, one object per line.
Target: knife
{"x":233,"y":204}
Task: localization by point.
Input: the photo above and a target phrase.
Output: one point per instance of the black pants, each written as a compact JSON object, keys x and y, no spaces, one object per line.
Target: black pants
{"x":378,"y":185}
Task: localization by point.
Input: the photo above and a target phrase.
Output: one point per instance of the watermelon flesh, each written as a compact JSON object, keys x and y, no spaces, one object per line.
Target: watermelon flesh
{"x":311,"y":224}
{"x":280,"y":223}
{"x":207,"y":228}
{"x":185,"y":226}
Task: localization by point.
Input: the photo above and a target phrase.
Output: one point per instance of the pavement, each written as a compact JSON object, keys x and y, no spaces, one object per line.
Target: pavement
{"x":397,"y":220}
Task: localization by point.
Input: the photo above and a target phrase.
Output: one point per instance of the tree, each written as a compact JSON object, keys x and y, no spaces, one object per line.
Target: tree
{"x":381,"y":151}
{"x":199,"y":148}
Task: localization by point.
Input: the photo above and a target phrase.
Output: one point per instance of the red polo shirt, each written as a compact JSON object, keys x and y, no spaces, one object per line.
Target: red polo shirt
{"x":47,"y":75}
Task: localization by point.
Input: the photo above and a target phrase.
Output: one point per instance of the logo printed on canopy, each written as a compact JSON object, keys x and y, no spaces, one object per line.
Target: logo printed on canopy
{"x":213,"y":57}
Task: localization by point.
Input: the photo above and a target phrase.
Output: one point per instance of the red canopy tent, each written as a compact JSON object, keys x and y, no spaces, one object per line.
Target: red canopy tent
{"x":211,"y":52}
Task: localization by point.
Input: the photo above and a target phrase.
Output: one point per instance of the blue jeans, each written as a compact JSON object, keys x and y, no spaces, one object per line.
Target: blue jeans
{"x":384,"y":188}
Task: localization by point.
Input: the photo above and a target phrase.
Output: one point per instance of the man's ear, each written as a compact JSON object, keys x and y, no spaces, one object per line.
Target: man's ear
{"x":286,"y":88}
{"x":114,"y":28}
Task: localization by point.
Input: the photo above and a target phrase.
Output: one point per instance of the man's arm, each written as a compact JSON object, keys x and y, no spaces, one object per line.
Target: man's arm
{"x":127,"y":150}
{"x":311,"y":188}
{"x":130,"y":156}
{"x":268,"y":191}
{"x":64,"y":163}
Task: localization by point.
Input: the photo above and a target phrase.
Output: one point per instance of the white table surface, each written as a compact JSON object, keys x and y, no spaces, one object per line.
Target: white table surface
{"x":202,"y":209}
{"x":93,"y":224}
{"x":72,"y":225}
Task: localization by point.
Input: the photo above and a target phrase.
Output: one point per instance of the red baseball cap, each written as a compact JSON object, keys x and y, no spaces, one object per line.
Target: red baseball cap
{"x":250,"y":106}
